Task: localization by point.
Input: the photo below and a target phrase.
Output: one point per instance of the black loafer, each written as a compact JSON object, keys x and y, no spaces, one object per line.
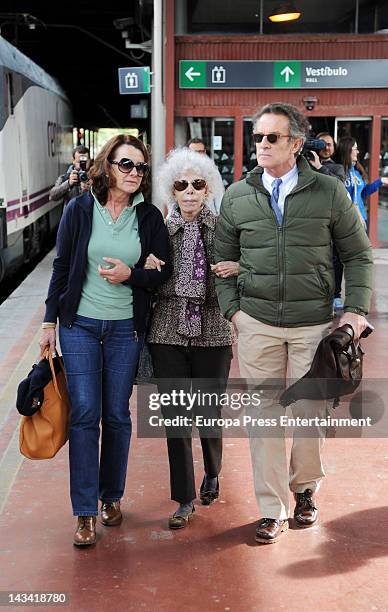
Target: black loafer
{"x":208,"y":495}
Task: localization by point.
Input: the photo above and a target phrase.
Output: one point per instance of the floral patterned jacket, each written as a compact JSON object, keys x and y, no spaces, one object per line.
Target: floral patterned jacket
{"x":216,"y":331}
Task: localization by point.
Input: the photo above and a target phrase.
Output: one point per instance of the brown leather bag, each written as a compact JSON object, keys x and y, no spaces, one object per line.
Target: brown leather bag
{"x":44,"y":433}
{"x":336,"y":370}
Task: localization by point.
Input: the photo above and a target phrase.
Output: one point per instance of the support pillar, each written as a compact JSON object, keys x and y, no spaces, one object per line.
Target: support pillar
{"x":374,"y":172}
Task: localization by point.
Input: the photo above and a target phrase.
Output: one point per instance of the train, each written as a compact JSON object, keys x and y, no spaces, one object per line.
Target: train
{"x":36,"y":141}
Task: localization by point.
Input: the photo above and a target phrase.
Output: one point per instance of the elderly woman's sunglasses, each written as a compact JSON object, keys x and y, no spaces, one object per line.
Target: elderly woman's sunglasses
{"x":198,"y":184}
{"x":126,"y":166}
{"x":272,"y":138}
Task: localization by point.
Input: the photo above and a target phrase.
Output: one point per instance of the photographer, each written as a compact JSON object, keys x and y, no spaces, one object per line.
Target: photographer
{"x":326,"y":156}
{"x":318,"y":152}
{"x":74,"y":182}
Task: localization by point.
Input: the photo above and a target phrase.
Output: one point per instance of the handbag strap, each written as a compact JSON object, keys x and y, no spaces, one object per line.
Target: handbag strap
{"x":48,"y":355}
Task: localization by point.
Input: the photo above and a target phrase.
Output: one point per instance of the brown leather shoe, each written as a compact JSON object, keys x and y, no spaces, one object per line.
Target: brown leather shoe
{"x":269,"y":530}
{"x":85,"y":534}
{"x":305,"y":512}
{"x":111,"y":514}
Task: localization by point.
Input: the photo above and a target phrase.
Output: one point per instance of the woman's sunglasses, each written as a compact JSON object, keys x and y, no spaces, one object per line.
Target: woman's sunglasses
{"x":272,"y":138}
{"x":198,"y":184}
{"x":126,"y":166}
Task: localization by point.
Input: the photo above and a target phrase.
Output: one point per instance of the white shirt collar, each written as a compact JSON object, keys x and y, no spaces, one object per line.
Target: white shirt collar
{"x":268,"y":179}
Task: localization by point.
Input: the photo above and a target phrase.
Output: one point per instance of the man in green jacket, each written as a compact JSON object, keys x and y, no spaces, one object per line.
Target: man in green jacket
{"x":280,"y":223}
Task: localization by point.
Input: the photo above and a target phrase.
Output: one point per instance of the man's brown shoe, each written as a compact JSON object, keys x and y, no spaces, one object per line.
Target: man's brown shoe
{"x":111,"y":514}
{"x":269,"y":530}
{"x":305,"y":512}
{"x":85,"y":534}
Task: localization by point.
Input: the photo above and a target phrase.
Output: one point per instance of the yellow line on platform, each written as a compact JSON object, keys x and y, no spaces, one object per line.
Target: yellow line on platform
{"x":9,"y":467}
{"x":8,"y":393}
{"x":12,"y":460}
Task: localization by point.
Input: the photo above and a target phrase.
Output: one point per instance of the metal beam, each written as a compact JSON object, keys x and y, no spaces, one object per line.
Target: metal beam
{"x":97,"y":38}
{"x":158,"y":114}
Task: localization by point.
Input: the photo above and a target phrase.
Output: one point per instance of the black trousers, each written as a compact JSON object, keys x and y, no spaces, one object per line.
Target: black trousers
{"x":200,"y":368}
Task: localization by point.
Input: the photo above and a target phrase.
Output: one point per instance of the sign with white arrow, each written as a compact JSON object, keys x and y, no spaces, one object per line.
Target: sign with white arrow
{"x":290,"y":74}
{"x":286,"y":72}
{"x":190,"y":73}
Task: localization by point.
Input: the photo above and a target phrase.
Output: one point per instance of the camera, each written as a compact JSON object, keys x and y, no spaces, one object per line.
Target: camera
{"x":312,"y":144}
{"x":310,"y":103}
{"x":82,"y":174}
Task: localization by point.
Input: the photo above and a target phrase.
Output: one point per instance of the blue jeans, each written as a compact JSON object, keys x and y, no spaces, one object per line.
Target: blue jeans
{"x":100,"y":360}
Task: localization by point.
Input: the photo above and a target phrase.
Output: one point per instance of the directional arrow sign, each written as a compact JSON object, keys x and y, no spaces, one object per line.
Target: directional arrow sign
{"x":192,"y":74}
{"x":283,"y":74}
{"x":287,"y":74}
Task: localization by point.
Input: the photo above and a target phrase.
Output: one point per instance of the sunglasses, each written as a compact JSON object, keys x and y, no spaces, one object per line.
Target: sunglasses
{"x":126,"y":166}
{"x":198,"y":184}
{"x":272,"y":138}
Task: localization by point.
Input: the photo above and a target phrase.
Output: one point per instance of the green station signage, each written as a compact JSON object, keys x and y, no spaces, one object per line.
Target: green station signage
{"x":285,"y":74}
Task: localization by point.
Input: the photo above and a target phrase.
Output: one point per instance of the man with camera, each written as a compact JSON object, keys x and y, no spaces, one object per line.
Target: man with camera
{"x":318,"y":151}
{"x":326,"y":156}
{"x":280,"y":223}
{"x":74,"y":181}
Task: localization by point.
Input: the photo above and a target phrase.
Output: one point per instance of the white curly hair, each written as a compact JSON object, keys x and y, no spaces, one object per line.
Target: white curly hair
{"x":183,"y":160}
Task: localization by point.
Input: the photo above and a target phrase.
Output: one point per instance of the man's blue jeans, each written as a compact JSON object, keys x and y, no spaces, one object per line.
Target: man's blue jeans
{"x":100,"y":360}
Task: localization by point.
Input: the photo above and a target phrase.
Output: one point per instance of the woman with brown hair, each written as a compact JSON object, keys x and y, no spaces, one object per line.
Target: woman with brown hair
{"x":99,"y":291}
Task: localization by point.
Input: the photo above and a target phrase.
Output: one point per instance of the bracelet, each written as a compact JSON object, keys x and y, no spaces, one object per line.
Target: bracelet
{"x":48,"y":325}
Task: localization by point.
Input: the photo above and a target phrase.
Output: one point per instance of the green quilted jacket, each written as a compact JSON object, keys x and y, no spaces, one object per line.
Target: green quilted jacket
{"x":286,"y":272}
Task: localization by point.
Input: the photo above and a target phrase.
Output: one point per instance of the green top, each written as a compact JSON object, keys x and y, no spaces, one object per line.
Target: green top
{"x":119,"y":240}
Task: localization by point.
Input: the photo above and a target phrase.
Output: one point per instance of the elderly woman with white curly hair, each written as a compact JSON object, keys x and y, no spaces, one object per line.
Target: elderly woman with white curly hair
{"x":189,"y":339}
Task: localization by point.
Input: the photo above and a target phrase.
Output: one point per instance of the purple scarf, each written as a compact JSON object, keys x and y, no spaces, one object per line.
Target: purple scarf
{"x":190,"y":285}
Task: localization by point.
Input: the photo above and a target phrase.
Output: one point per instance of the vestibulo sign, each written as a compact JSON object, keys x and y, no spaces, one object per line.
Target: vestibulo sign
{"x":287,"y":74}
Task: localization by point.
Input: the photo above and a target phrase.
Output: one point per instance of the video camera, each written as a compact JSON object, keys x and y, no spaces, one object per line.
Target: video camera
{"x":312,"y":144}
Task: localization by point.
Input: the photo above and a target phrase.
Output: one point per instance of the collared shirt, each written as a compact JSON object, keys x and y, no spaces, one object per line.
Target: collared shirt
{"x":288,"y":183}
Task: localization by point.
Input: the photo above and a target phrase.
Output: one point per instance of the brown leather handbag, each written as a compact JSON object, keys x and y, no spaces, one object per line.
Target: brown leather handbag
{"x":44,"y":433}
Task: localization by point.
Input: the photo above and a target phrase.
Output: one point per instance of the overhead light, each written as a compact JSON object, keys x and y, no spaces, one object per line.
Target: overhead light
{"x":285,"y":12}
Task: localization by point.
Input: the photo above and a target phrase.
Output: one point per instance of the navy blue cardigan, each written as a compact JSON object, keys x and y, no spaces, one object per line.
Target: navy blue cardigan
{"x":69,"y":268}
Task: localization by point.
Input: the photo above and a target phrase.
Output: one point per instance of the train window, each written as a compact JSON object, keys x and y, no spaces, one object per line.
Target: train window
{"x":52,"y":138}
{"x":11,"y":97}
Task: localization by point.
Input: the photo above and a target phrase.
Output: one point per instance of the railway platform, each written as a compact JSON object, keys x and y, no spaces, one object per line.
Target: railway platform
{"x":340,"y":564}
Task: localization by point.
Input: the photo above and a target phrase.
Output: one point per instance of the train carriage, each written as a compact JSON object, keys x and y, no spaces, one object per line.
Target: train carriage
{"x":35,"y":146}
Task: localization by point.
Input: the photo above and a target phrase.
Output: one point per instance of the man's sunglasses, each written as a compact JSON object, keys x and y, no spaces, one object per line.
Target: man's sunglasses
{"x":198,"y":184}
{"x":272,"y":138}
{"x":126,"y":166}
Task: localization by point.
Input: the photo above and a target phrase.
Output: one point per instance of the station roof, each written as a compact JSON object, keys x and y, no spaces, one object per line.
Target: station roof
{"x":317,"y":16}
{"x":81,"y":46}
